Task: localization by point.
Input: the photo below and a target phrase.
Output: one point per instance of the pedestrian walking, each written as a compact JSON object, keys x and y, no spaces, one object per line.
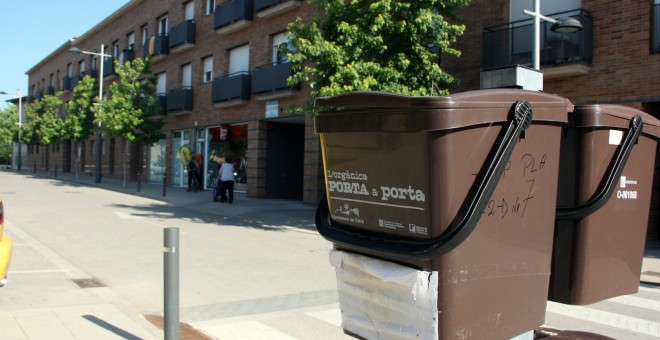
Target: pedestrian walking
{"x":227,"y":179}
{"x":194,"y":175}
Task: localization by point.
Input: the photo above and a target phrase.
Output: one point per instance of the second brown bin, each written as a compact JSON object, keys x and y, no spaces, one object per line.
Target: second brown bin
{"x":605,"y":184}
{"x":464,"y":185}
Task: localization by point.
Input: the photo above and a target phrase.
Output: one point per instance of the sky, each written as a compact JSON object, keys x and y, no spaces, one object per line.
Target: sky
{"x":31,"y":30}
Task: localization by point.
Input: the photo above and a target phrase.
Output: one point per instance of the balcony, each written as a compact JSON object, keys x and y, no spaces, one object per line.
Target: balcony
{"x":562,"y":55}
{"x":271,"y":8}
{"x":109,"y":68}
{"x":66,"y":84}
{"x":182,"y":36}
{"x":50,"y":90}
{"x":74,"y":82}
{"x":93,"y":73}
{"x":233,"y":15}
{"x":126,"y":55}
{"x":157,"y":47}
{"x":270,"y":82}
{"x":180,"y":101}
{"x":38,"y":95}
{"x":231,"y":90}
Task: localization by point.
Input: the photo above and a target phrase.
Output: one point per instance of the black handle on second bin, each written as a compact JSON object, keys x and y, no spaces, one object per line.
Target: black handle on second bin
{"x":463,"y":224}
{"x":608,"y":182}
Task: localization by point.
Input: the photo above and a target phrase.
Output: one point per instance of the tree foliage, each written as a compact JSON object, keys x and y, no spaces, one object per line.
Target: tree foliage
{"x":384,"y":45}
{"x":79,"y":120}
{"x":44,"y":124}
{"x":8,"y":125}
{"x":132,"y":109}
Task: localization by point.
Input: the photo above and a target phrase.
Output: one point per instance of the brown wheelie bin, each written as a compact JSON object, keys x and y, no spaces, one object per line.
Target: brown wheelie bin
{"x":463,"y":185}
{"x":605,"y":184}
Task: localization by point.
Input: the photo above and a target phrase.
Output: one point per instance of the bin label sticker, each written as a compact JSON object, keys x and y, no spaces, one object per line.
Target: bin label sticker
{"x":346,"y":213}
{"x":625,"y":183}
{"x":615,"y":137}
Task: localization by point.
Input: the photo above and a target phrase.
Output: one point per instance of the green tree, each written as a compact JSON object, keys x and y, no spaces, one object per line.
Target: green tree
{"x":79,"y":119}
{"x":43,"y":123}
{"x":8,"y":125}
{"x":132,"y":109}
{"x":8,"y":132}
{"x":385,"y":45}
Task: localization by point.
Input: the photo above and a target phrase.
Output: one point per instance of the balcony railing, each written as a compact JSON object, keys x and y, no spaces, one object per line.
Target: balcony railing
{"x":511,"y":44}
{"x":655,"y":35}
{"x":270,"y":8}
{"x":126,"y":55}
{"x":74,"y":82}
{"x":109,"y":67}
{"x":180,"y":100}
{"x":157,"y":47}
{"x":91,"y":72}
{"x":270,"y":81}
{"x":50,"y":90}
{"x":182,"y":36}
{"x":66,"y":84}
{"x":232,"y":16}
{"x":233,"y":89}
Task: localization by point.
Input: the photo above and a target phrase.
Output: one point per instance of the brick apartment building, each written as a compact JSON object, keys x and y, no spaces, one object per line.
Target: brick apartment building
{"x":614,"y":60}
{"x":222,"y":85}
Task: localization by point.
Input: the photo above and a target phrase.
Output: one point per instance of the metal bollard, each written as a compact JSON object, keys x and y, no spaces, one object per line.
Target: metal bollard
{"x":171,"y":287}
{"x":139,"y":180}
{"x":56,"y":170}
{"x":34,"y":169}
{"x":164,"y":183}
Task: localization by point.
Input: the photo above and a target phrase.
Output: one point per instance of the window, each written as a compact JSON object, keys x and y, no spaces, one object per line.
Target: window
{"x":239,"y":59}
{"x":186,"y":74}
{"x":208,"y":69}
{"x":161,"y":84}
{"x":94,"y":63}
{"x":163,"y":24}
{"x":115,"y":50}
{"x":190,"y":10}
{"x":278,"y":40}
{"x":81,"y":66}
{"x":51,"y":82}
{"x":210,"y":6}
{"x":131,"y":41}
{"x":145,"y":35}
{"x":69,"y":70}
{"x":655,"y":34}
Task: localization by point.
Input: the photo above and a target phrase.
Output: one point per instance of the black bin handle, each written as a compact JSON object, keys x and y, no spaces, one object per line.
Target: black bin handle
{"x":608,"y":183}
{"x":464,"y":222}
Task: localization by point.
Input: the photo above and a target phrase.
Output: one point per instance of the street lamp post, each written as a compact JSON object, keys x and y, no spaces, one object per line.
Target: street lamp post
{"x":19,"y":94}
{"x":99,"y":137}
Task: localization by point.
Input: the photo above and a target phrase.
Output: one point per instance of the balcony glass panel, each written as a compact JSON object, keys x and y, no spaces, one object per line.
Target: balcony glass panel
{"x":181,"y":34}
{"x":511,"y":43}
{"x":109,"y":67}
{"x":271,"y":78}
{"x":234,"y":86}
{"x":232,"y":11}
{"x":180,"y":99}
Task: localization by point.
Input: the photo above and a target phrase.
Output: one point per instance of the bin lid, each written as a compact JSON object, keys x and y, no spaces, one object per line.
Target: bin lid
{"x":614,"y":116}
{"x":388,"y":112}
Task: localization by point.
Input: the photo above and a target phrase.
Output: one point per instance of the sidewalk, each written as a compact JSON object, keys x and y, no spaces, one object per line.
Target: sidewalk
{"x":278,"y":212}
